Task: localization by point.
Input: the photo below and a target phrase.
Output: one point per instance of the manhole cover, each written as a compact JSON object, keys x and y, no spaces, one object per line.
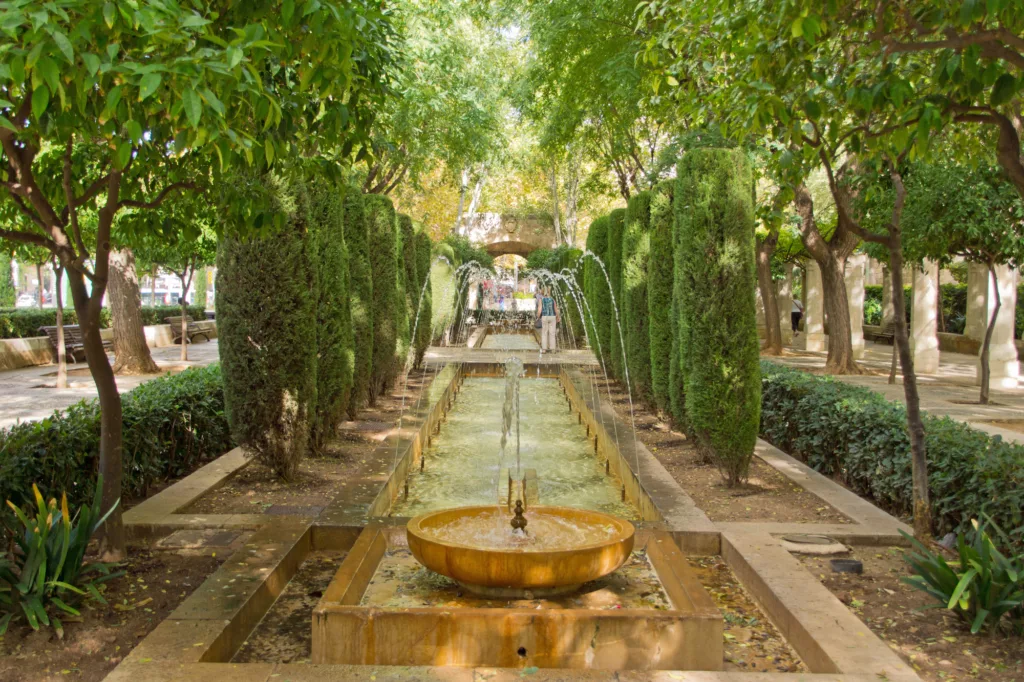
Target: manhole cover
{"x":804,"y":539}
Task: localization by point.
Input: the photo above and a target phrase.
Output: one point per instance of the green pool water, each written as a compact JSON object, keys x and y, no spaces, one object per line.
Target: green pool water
{"x":463,"y":463}
{"x":510,"y":342}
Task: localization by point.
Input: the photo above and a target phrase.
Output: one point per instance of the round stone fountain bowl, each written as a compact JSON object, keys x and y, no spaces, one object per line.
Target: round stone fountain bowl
{"x":562,"y":549}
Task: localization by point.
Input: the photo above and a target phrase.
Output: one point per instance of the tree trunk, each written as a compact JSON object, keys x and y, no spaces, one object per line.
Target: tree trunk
{"x":39,"y":284}
{"x":62,"y":357}
{"x":831,"y":259}
{"x":985,"y":359}
{"x":186,"y":282}
{"x":462,"y":202}
{"x":918,"y":453}
{"x":131,"y":353}
{"x":474,"y":200}
{"x":112,"y":544}
{"x":939,"y":317}
{"x":837,"y":310}
{"x":887,"y":313}
{"x":554,"y":203}
{"x":772,"y":324}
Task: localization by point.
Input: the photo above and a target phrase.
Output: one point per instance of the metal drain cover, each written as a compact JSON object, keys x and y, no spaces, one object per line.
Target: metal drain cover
{"x":803,"y":543}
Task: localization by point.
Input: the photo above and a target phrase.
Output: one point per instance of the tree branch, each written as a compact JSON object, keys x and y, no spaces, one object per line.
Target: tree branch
{"x":132,"y":203}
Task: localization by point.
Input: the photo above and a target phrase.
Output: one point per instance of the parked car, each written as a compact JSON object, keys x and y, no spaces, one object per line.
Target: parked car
{"x":27,"y":301}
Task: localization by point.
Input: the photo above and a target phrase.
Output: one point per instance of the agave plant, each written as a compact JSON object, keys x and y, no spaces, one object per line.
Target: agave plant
{"x":47,"y":575}
{"x":982,"y":588}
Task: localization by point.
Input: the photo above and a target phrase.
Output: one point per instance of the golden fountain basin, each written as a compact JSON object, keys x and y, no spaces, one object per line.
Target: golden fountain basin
{"x":562,"y":549}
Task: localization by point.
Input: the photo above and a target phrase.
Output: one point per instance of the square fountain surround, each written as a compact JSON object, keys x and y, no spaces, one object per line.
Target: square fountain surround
{"x":686,"y":636}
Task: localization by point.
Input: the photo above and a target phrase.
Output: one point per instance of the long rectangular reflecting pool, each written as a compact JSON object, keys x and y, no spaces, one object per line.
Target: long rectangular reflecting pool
{"x":463,"y":464}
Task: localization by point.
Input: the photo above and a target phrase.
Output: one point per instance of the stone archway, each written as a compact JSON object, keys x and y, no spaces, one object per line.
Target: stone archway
{"x":500,"y":233}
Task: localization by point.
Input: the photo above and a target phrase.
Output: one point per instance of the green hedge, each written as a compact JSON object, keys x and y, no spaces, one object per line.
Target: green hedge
{"x":636,"y":250}
{"x":613,"y":261}
{"x":596,"y":288}
{"x":383,"y":242}
{"x":23,"y":323}
{"x":424,"y":313}
{"x":201,"y":284}
{"x":156,"y":314}
{"x":266,"y":312}
{"x":718,"y":329}
{"x":172,"y":425}
{"x":660,"y":267}
{"x":858,"y":437}
{"x":334,"y":345}
{"x":442,"y":285}
{"x":361,"y":292}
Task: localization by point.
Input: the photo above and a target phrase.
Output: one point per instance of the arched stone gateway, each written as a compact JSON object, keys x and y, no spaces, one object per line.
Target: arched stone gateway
{"x":501,"y":234}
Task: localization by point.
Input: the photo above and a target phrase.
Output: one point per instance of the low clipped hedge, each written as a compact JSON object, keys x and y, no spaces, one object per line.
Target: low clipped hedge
{"x":172,"y":425}
{"x":23,"y":323}
{"x":859,"y":438}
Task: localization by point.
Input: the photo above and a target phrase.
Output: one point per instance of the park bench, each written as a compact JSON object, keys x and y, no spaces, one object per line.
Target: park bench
{"x":192,"y":330}
{"x":887,"y":333}
{"x":74,"y":346}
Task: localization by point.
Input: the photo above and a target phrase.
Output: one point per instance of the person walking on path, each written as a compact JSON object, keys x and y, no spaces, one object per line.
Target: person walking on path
{"x":547,"y":311}
{"x":795,"y":315}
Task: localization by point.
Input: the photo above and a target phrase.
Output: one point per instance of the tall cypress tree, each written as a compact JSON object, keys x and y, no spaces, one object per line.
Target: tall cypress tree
{"x":361,"y":297}
{"x":660,"y":269}
{"x":424,"y":313}
{"x":616,"y":226}
{"x":335,"y":351}
{"x":716,"y":277}
{"x":404,"y":305}
{"x":636,"y":249}
{"x":267,"y":288}
{"x":382,"y":239}
{"x":596,"y":287}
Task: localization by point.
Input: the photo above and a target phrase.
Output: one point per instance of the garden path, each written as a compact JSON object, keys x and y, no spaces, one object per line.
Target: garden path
{"x":27,"y":394}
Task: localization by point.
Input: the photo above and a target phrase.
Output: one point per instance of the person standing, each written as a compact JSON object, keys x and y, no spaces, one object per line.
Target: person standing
{"x":547,"y":311}
{"x":795,"y":315}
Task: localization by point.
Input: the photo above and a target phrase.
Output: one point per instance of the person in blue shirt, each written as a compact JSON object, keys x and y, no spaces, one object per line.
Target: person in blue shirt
{"x":547,"y":311}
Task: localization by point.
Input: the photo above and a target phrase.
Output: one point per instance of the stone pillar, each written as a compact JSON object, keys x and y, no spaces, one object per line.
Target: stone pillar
{"x":1002,"y":351}
{"x":924,"y":340}
{"x":855,"y":267}
{"x":784,"y":294}
{"x":814,"y":308}
{"x":977,"y":295}
{"x":887,"y":309}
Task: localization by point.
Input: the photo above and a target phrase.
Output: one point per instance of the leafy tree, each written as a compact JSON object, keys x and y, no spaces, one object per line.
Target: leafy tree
{"x":448,"y":105}
{"x":973,"y":53}
{"x":145,"y":90}
{"x":957,"y":210}
{"x":179,"y":237}
{"x":718,"y":342}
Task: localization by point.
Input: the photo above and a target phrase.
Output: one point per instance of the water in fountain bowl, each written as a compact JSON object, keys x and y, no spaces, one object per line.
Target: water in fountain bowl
{"x":545,"y":532}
